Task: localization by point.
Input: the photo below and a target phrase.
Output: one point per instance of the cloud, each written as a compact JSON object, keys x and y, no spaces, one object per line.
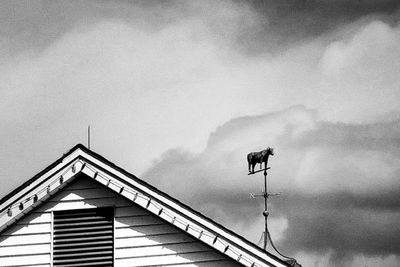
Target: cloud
{"x":124,"y":77}
{"x":206,"y":83}
{"x":339,"y":182}
{"x":372,"y":46}
{"x":311,"y":259}
{"x":288,"y":22}
{"x":125,"y":72}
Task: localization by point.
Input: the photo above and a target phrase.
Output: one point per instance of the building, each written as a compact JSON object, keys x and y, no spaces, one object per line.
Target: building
{"x":83,"y":210}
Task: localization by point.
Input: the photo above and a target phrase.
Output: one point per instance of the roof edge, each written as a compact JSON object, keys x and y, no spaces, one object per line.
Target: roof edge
{"x":48,"y":168}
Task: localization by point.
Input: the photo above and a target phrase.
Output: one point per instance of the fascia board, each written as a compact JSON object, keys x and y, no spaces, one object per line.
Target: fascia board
{"x":49,"y":186}
{"x":37,"y":182}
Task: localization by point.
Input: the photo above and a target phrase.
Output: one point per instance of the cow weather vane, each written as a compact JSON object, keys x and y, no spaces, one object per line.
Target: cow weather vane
{"x":254,"y":158}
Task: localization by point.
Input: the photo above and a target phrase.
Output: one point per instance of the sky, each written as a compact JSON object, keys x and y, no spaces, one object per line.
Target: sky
{"x":178,"y":92}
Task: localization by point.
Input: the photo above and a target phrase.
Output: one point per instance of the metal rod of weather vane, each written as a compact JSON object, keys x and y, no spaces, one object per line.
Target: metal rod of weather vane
{"x":265,"y":213}
{"x":88,"y":136}
{"x":261,"y":157}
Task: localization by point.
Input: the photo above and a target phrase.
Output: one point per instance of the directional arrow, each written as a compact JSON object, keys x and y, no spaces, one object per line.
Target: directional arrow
{"x":262,"y":194}
{"x":250,"y":173}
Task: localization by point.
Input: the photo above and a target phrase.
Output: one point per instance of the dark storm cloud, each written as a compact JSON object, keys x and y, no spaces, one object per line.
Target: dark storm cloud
{"x":348,"y":223}
{"x":29,"y":25}
{"x":331,"y":201}
{"x":338,"y":223}
{"x":374,"y":136}
{"x":36,"y":24}
{"x":284,"y":22}
{"x":319,"y":15}
{"x":266,"y":25}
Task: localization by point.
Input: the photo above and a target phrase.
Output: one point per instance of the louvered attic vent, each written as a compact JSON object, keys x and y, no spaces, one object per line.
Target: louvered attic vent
{"x":83,"y":237}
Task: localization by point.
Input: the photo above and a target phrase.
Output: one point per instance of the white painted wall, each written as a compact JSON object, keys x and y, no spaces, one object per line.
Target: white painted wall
{"x":141,"y":238}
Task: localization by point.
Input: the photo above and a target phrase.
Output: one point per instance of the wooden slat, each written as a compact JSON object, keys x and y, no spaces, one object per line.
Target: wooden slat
{"x":145,"y":230}
{"x":99,"y":241}
{"x":83,"y":248}
{"x":84,"y":234}
{"x":78,"y":240}
{"x":165,"y":249}
{"x":21,"y":249}
{"x":84,"y":184}
{"x":152,"y":240}
{"x":31,"y":265}
{"x":207,"y":263}
{"x":28,"y":229}
{"x":130,"y":210}
{"x":147,"y":219}
{"x":81,"y":264}
{"x":83,"y":204}
{"x":93,"y":258}
{"x":84,"y":213}
{"x":93,"y":193}
{"x":104,"y":252}
{"x":87,"y":230}
{"x":93,"y":199}
{"x":69,"y":220}
{"x":24,"y":260}
{"x":24,"y":239}
{"x":169,"y":259}
{"x":35,"y":217}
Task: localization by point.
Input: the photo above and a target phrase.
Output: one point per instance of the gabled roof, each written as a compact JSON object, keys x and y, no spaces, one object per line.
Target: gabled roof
{"x":82,"y":160}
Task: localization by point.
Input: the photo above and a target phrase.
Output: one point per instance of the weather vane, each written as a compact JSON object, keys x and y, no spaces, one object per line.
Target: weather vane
{"x":254,"y":158}
{"x":259,"y":157}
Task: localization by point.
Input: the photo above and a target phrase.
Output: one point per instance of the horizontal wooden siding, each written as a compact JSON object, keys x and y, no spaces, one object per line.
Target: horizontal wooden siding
{"x":140,"y":238}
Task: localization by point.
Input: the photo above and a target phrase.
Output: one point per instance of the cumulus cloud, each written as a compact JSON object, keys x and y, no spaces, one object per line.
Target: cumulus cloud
{"x":124,"y":77}
{"x":339,"y":182}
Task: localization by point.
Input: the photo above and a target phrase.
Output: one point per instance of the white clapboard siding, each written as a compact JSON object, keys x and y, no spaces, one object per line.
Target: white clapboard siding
{"x":21,"y":250}
{"x":141,"y":238}
{"x":129,"y":210}
{"x":82,"y":204}
{"x":25,"y":260}
{"x":164,"y":249}
{"x":145,"y":230}
{"x":35,"y":217}
{"x":165,"y":239}
{"x":83,"y":184}
{"x":160,"y":260}
{"x":207,"y":263}
{"x":15,"y":240}
{"x":91,"y":193}
{"x":147,"y":219}
{"x":28,"y":229}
